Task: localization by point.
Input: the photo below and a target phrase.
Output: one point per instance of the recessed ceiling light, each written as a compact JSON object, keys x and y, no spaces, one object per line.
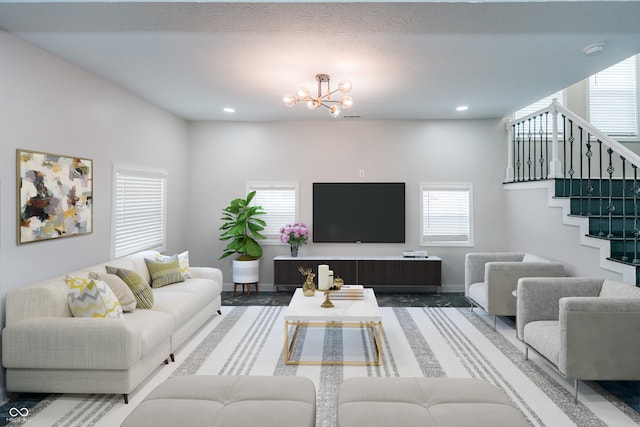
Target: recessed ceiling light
{"x":594,"y":49}
{"x":229,"y":110}
{"x":462,"y":108}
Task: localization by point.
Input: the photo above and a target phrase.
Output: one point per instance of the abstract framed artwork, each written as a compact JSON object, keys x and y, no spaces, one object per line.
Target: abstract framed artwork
{"x":55,"y":196}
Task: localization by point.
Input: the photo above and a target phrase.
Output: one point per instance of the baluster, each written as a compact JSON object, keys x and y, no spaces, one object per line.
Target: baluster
{"x":518,"y":164}
{"x":600,"y":195}
{"x":610,"y":207}
{"x":624,"y":209}
{"x":546,"y":146}
{"x":571,"y":170}
{"x":541,"y":160}
{"x":514,"y":143}
{"x":564,"y":154}
{"x":581,"y":192}
{"x":636,"y":231}
{"x":529,"y":150}
{"x":589,"y":188}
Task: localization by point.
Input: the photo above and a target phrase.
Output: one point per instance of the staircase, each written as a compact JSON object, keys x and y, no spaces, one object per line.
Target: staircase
{"x":595,"y":179}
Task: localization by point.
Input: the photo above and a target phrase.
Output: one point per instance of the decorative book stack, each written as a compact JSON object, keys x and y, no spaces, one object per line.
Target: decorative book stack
{"x":348,"y":292}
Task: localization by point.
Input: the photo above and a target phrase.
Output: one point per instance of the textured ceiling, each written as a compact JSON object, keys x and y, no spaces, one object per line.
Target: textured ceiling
{"x":406,"y":60}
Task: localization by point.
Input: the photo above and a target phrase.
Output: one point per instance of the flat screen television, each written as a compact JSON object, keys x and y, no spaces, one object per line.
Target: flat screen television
{"x":363,"y":212}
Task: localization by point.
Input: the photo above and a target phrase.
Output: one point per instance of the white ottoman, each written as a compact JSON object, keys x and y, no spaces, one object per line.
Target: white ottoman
{"x":228,"y":401}
{"x":419,"y":402}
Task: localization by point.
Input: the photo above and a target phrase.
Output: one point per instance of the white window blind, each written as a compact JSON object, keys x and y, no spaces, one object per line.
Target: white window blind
{"x":613,"y":106}
{"x":446,"y":215}
{"x":280,"y":202}
{"x":139,"y":216}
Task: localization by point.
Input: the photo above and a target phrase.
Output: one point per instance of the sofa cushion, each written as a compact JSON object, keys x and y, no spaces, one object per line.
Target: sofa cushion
{"x":164,"y":272}
{"x":478,"y":293}
{"x":92,"y":298}
{"x":138,"y":285}
{"x":544,"y":336}
{"x":366,"y":401}
{"x":183,"y":259}
{"x":203,"y":288}
{"x":182,"y":306}
{"x":533,"y":258}
{"x":613,"y":289}
{"x":228,"y":401}
{"x":119,"y":288}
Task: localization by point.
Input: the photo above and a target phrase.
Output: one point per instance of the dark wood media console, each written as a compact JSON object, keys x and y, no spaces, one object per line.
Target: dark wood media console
{"x":367,"y":271}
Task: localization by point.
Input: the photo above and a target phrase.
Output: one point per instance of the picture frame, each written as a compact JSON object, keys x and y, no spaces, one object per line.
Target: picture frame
{"x":54,"y":196}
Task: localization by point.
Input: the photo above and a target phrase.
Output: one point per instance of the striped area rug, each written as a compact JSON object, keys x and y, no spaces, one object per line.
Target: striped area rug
{"x":430,"y":342}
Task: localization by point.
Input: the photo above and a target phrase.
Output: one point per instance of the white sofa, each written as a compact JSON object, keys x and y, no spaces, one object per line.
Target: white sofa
{"x":587,"y":328}
{"x":45,"y":349}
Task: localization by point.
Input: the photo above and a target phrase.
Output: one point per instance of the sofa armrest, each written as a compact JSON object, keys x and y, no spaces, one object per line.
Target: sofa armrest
{"x":211,"y":273}
{"x":474,"y":264}
{"x":599,"y":338}
{"x":71,"y":343}
{"x":502,"y":279}
{"x":538,"y":298}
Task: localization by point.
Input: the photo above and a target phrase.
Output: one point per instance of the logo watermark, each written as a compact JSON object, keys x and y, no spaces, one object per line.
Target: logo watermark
{"x":18,"y":414}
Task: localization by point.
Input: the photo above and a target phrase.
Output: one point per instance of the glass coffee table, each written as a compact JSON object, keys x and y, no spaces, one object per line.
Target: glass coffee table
{"x":355,"y":313}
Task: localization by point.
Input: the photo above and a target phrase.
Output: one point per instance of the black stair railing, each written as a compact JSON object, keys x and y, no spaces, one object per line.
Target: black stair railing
{"x":596,"y":172}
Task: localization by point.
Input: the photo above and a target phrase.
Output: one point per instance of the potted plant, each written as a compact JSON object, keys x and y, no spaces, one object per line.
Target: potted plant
{"x":241,"y":228}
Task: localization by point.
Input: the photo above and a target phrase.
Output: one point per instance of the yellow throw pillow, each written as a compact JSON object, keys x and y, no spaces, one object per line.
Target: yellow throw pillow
{"x":183,"y":259}
{"x":92,"y":298}
{"x":164,"y":272}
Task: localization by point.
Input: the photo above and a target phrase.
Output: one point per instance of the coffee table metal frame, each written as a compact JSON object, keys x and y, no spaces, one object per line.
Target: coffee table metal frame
{"x":306,"y":312}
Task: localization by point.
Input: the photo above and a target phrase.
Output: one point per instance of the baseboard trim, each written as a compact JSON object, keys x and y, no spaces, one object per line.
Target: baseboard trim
{"x":268,"y":287}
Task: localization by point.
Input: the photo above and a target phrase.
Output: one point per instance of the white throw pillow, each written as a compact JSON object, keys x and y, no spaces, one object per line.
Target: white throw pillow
{"x":92,"y":298}
{"x":119,"y":288}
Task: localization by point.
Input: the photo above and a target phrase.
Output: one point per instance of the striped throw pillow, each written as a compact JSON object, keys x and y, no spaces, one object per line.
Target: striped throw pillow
{"x":164,"y":272}
{"x":140,"y":288}
{"x":183,"y":259}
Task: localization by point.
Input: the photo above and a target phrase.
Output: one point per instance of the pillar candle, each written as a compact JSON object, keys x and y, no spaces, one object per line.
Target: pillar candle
{"x":330,"y":279}
{"x":323,"y":273}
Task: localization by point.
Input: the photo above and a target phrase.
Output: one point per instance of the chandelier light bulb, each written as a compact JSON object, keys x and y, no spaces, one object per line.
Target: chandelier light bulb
{"x":346,"y":102}
{"x":344,"y":86}
{"x":334,"y":111}
{"x":289,"y":100}
{"x":312,"y":104}
{"x":303,"y":92}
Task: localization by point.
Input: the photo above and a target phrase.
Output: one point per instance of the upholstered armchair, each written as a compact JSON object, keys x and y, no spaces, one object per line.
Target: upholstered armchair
{"x":492,"y":277}
{"x":586,"y":328}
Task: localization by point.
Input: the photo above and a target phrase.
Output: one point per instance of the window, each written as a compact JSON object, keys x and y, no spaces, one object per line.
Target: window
{"x":446,"y":215}
{"x":139,"y":210}
{"x":544,"y":102}
{"x":280,"y":202}
{"x":613,"y":106}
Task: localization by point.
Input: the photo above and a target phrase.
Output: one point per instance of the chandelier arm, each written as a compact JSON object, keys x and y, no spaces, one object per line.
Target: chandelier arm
{"x":331,"y":93}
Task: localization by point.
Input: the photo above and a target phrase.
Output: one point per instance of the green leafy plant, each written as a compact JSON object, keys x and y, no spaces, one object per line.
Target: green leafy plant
{"x":241,"y":228}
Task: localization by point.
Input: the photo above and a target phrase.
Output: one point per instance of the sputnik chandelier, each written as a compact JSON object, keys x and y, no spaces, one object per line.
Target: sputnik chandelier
{"x":335,"y":106}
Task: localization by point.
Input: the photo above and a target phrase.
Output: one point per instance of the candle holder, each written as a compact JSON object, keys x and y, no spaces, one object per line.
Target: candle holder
{"x":327,"y":302}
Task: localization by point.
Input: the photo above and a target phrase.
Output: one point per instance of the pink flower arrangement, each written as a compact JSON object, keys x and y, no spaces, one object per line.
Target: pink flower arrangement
{"x":295,"y":235}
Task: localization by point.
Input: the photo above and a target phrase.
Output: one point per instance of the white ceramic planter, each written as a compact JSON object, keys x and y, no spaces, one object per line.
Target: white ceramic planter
{"x":246,"y":271}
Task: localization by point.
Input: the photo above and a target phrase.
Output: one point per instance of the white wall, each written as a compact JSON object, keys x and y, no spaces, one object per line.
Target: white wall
{"x":52,"y":106}
{"x":224,"y":156}
{"x":533,"y":226}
